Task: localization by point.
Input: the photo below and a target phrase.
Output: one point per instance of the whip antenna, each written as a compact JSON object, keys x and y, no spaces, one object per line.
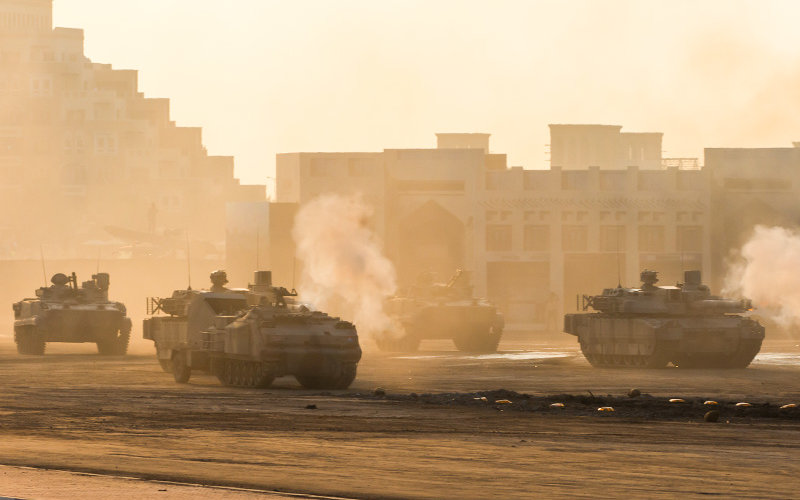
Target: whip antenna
{"x":294,"y":269}
{"x":44,"y":271}
{"x":619,"y":266}
{"x":188,"y":263}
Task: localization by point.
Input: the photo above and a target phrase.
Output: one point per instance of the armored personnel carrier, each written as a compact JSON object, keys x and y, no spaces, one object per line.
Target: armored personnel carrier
{"x":431,"y":310}
{"x":653,"y":325}
{"x":248,"y":337}
{"x":65,"y":312}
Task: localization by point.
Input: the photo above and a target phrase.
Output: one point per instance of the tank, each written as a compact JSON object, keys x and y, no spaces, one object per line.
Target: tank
{"x":249,"y":337}
{"x":449,"y":310}
{"x":653,"y":326}
{"x":66,"y":312}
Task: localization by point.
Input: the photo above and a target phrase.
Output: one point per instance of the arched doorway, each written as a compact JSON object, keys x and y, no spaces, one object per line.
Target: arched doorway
{"x":429,"y":239}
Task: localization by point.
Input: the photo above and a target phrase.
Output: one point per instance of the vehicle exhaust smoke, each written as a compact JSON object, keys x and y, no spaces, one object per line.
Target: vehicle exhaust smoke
{"x":766,"y":272}
{"x":344,"y":269}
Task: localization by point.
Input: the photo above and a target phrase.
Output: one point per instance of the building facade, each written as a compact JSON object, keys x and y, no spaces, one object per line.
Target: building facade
{"x":751,"y":186}
{"x":530,"y":239}
{"x":81,"y":149}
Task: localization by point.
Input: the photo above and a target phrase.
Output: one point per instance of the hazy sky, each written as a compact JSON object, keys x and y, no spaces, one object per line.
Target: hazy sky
{"x":264,"y":77}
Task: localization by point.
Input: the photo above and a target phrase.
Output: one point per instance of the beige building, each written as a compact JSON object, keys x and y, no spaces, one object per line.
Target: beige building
{"x":82,"y":149}
{"x":751,"y":186}
{"x":604,"y":146}
{"x":522,"y":234}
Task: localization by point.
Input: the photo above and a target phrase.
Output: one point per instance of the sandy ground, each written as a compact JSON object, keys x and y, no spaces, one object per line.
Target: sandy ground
{"x":25,"y":482}
{"x":73,"y":410}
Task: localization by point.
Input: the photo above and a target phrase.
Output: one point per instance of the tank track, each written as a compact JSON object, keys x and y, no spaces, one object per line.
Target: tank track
{"x":346,"y":376}
{"x":661,"y":356}
{"x":243,"y":373}
{"x":29,"y":340}
{"x":657,"y":359}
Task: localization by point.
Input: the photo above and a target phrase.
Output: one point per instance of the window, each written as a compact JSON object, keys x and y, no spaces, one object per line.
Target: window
{"x":105,"y":144}
{"x":690,"y":239}
{"x":535,"y":238}
{"x":574,"y":180}
{"x":358,"y":167}
{"x":651,"y":238}
{"x":612,"y":238}
{"x":498,"y":237}
{"x":574,"y":238}
{"x":612,"y":181}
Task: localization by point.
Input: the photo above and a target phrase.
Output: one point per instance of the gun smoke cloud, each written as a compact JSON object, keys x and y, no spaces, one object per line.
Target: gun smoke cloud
{"x":767,"y":273}
{"x":344,"y":269}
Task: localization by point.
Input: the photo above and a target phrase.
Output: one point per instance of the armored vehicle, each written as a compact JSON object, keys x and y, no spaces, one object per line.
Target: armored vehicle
{"x":65,"y":312}
{"x":248,"y":337}
{"x":431,"y":310}
{"x":653,"y":325}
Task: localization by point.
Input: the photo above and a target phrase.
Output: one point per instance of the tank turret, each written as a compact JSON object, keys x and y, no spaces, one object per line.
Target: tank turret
{"x":688,"y":298}
{"x":262,"y":292}
{"x":430,"y":310}
{"x":654,"y":325}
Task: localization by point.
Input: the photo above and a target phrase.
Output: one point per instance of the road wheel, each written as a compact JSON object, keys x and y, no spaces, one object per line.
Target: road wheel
{"x":265,"y":375}
{"x":748,"y":349}
{"x":181,"y":371}
{"x":116,"y":343}
{"x":224,"y":372}
{"x":590,"y":356}
{"x":166,"y":365}
{"x":29,"y":341}
{"x":480,"y":340}
{"x":345,"y":377}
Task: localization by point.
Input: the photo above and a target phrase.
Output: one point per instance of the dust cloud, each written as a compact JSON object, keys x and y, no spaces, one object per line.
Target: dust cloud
{"x":344,"y":269}
{"x":766,"y":273}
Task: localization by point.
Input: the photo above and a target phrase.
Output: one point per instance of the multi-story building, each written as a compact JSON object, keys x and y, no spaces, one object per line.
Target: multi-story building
{"x":525,"y":236}
{"x":81,"y":148}
{"x":604,"y":146}
{"x":751,"y":186}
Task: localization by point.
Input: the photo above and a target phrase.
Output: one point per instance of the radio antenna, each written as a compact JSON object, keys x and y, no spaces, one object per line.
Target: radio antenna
{"x":188,"y":263}
{"x":619,"y":266}
{"x":294,"y":269}
{"x":99,"y":249}
{"x":44,"y":270}
{"x":683,"y":264}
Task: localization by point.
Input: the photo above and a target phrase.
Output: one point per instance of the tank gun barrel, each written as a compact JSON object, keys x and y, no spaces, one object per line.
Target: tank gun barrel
{"x":454,"y":279}
{"x":721,"y":305}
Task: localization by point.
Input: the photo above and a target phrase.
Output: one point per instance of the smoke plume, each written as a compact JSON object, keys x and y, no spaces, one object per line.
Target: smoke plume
{"x":767,"y":273}
{"x":344,"y":269}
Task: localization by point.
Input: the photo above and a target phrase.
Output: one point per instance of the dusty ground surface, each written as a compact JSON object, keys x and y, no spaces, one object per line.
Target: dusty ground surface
{"x":430,"y":436}
{"x":25,"y":482}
